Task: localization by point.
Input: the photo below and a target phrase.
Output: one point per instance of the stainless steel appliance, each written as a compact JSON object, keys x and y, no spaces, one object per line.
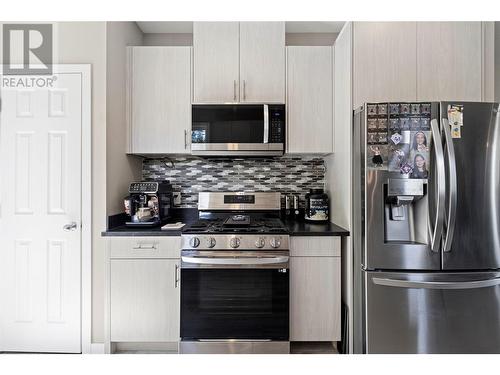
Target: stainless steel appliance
{"x":235,"y":276}
{"x":427,"y":228}
{"x":149,"y":203}
{"x":238,"y":130}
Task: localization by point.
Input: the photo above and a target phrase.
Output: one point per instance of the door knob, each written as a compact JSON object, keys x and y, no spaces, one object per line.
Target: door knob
{"x":69,"y":227}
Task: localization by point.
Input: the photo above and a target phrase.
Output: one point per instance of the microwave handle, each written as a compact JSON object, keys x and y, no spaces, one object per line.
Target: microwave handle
{"x":266,"y":123}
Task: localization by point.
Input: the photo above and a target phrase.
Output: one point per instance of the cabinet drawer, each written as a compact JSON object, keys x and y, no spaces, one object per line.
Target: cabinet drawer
{"x":145,"y":247}
{"x":310,"y":246}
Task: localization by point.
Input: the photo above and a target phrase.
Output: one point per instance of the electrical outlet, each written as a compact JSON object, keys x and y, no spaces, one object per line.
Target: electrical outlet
{"x":177,"y":198}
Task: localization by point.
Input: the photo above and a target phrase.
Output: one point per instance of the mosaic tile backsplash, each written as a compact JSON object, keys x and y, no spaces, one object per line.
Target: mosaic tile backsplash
{"x":190,"y":175}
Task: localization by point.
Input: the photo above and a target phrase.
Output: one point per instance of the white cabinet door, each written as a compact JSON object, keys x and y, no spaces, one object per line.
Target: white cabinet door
{"x":449,"y":61}
{"x":310,"y":99}
{"x":159,"y":100}
{"x":144,"y":300}
{"x":216,"y":62}
{"x":262,"y":62}
{"x":384,"y":64}
{"x":315,"y":299}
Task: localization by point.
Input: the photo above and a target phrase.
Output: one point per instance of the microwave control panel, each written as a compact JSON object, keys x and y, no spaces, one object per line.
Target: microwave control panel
{"x":276,"y":123}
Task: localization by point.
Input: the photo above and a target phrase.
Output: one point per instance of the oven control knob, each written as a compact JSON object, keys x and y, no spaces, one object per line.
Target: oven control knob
{"x":260,"y":243}
{"x":194,"y":242}
{"x":210,"y":242}
{"x":275,"y":242}
{"x":234,"y":242}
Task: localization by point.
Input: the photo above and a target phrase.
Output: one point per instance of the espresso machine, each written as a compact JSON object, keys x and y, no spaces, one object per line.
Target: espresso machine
{"x":149,"y":203}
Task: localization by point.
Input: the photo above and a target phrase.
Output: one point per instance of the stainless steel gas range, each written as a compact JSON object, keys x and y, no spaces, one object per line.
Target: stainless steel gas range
{"x":235,"y":276}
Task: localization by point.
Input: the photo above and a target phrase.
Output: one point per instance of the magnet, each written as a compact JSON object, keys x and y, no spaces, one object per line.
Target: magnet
{"x":396,"y":138}
{"x":425,"y":124}
{"x":398,"y":155}
{"x":415,"y":123}
{"x":419,"y":166}
{"x":382,"y":109}
{"x":372,"y":124}
{"x":382,"y":124}
{"x":382,"y":137}
{"x":456,"y":131}
{"x":372,"y":109}
{"x":415,"y":109}
{"x":420,"y":141}
{"x":377,"y":157}
{"x":394,"y":108}
{"x":404,"y":123}
{"x":404,"y":109}
{"x":425,"y":108}
{"x":406,"y":168}
{"x":394,"y":124}
{"x":372,"y":138}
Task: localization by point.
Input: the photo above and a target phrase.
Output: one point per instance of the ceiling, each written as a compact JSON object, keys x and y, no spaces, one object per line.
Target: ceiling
{"x":186,"y":27}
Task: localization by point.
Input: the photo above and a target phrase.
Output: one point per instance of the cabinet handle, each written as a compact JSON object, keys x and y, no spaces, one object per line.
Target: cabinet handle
{"x":234,"y":90}
{"x":185,"y":139}
{"x":144,"y":247}
{"x":177,"y":276}
{"x":244,"y":90}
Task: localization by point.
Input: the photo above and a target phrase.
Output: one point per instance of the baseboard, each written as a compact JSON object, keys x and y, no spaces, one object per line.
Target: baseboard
{"x":96,"y":348}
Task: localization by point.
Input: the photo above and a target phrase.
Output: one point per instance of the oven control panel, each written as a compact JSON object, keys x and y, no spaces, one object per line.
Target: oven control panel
{"x":236,"y":241}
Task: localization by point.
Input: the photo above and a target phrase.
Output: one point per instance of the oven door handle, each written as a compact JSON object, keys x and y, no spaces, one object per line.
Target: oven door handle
{"x":235,"y":261}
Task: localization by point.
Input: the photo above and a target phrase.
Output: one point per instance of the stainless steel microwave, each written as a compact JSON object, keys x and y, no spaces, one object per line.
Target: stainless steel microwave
{"x":238,"y":129}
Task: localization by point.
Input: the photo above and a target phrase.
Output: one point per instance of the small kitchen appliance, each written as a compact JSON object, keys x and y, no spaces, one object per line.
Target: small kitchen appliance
{"x":235,"y":276}
{"x":238,"y":130}
{"x":149,"y":203}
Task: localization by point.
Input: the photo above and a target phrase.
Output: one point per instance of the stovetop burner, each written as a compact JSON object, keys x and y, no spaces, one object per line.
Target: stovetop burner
{"x":237,"y":224}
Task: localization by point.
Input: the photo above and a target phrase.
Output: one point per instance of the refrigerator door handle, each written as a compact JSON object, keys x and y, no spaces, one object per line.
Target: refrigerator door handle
{"x":437,"y":284}
{"x":436,"y":230}
{"x":452,"y":197}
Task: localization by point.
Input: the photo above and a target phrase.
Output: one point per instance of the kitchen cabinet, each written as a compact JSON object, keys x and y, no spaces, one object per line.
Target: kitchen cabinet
{"x":159,"y":100}
{"x":216,"y":57}
{"x":142,"y":291}
{"x":315,"y":285}
{"x":310,"y":99}
{"x":384,"y":62}
{"x":262,"y":62}
{"x":239,"y":62}
{"x":449,"y":61}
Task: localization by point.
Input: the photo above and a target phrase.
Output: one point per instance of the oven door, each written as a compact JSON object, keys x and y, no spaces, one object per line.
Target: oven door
{"x":234,"y":296}
{"x":243,"y":129}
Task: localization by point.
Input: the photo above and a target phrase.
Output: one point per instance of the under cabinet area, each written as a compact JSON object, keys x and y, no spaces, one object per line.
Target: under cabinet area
{"x":159,"y":100}
{"x":239,"y":62}
{"x":143,"y":294}
{"x":315,"y":285}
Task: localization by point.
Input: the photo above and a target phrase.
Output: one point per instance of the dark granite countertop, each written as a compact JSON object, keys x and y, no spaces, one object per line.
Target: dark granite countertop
{"x":296,"y":227}
{"x":303,"y":228}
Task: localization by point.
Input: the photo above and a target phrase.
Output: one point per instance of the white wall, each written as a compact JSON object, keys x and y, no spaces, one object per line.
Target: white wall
{"x":82,"y":43}
{"x":121,"y":168}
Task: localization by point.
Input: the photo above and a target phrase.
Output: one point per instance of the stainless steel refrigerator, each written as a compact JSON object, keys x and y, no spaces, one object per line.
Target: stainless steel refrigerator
{"x":426,"y":228}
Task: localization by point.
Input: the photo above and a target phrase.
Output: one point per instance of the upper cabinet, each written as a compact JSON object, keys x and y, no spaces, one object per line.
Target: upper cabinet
{"x":424,"y":61}
{"x":262,"y":62}
{"x":159,"y":100}
{"x":449,"y":61}
{"x":239,"y":62}
{"x":384,"y":62}
{"x":310,"y":99}
{"x":216,"y":61}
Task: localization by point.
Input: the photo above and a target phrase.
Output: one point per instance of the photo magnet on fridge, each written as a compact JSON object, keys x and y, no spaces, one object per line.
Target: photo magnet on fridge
{"x":377,"y":157}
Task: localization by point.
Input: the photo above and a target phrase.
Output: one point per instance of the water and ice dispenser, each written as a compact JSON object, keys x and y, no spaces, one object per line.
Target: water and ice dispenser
{"x":405,"y":210}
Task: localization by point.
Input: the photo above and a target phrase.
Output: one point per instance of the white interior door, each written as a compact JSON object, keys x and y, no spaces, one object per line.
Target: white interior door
{"x":40,"y":261}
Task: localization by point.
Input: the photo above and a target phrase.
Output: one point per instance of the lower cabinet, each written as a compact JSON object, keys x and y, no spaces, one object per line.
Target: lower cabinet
{"x":143,"y":294}
{"x":144,"y":303}
{"x":315,"y":287}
